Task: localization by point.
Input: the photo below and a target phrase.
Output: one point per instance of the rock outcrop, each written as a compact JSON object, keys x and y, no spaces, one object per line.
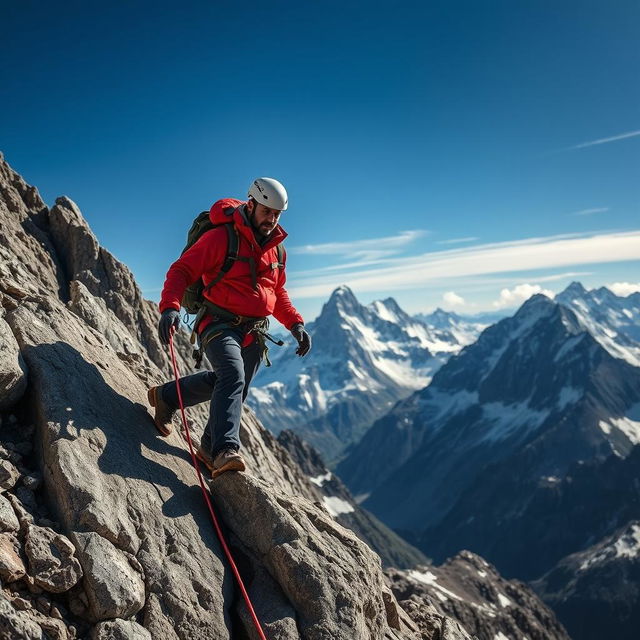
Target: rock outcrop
{"x":470,"y":590}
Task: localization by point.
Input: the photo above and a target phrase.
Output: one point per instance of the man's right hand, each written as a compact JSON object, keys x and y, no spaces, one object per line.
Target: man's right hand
{"x":170,"y":319}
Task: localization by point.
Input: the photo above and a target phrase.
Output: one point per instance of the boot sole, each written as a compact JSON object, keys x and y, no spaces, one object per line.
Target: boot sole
{"x":205,"y":462}
{"x":236,"y":465}
{"x":151,"y":397}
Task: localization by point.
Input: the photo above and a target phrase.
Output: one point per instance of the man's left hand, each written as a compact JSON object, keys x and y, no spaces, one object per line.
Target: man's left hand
{"x":302,"y":337}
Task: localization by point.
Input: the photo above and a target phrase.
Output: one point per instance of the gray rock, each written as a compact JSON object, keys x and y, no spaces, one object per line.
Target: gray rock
{"x":52,"y":561}
{"x":8,"y":519}
{"x":333,"y":580}
{"x":17,"y":625}
{"x":9,"y":475}
{"x":13,"y":371}
{"x":11,"y":566}
{"x":114,"y":587}
{"x":33,"y":481}
{"x":119,"y":630}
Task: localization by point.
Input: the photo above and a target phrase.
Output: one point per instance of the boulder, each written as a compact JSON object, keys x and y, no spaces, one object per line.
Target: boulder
{"x":113,"y":579}
{"x":13,"y":371}
{"x":332,"y":579}
{"x":17,"y":625}
{"x":52,"y":561}
{"x":8,"y":519}
{"x":119,"y":630}
{"x":11,"y":566}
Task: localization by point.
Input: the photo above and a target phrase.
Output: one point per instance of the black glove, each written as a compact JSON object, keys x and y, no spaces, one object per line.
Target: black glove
{"x":170,"y":319}
{"x":303,"y":338}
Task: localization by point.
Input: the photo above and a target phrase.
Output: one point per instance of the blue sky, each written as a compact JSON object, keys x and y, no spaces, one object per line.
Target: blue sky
{"x":455,"y":154}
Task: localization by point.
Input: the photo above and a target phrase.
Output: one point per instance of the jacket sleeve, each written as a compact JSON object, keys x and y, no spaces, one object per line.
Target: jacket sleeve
{"x":206,"y":255}
{"x":284,"y":311}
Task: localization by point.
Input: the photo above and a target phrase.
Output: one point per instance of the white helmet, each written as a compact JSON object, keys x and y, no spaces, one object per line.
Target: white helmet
{"x":270,"y":193}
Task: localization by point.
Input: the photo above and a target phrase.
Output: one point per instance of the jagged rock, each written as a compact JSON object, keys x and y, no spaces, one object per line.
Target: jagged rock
{"x":8,"y":520}
{"x":332,"y":579}
{"x":17,"y":625}
{"x":470,"y":590}
{"x":52,"y":561}
{"x":11,"y":566}
{"x":119,"y":630}
{"x":9,"y":475}
{"x":13,"y":371}
{"x":115,"y":588}
{"x":24,"y":517}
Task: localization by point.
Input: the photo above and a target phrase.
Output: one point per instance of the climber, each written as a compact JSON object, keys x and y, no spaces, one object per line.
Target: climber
{"x":236,"y":301}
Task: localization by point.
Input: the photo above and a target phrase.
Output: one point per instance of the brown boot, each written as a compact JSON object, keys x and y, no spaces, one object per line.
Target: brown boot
{"x":163,"y":414}
{"x":227,"y":460}
{"x":205,"y":457}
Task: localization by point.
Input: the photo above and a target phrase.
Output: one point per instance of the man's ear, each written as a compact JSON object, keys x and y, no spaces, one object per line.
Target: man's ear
{"x":251,"y":205}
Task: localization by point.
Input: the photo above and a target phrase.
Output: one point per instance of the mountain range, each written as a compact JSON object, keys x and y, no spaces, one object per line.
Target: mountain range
{"x":495,"y":454}
{"x":366,"y":358}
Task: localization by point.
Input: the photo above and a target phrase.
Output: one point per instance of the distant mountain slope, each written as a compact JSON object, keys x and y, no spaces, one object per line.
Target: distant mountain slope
{"x":364,"y":360}
{"x":536,"y":385}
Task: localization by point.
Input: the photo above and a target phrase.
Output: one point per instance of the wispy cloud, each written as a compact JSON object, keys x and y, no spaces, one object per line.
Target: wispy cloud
{"x":592,"y":143}
{"x":588,"y":212}
{"x":402,"y":273}
{"x":457,"y":240}
{"x":368,"y":250}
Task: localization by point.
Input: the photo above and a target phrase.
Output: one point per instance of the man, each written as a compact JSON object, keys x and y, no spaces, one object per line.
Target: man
{"x":237,"y":304}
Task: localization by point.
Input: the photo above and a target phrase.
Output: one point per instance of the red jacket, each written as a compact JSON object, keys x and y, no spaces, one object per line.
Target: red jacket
{"x":235,"y":292}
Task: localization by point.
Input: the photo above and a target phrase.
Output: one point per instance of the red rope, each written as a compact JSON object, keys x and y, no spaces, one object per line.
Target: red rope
{"x":205,"y":493}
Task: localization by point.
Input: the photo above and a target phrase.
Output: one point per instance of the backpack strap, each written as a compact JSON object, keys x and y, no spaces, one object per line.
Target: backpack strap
{"x":282,"y":256}
{"x":233,"y":244}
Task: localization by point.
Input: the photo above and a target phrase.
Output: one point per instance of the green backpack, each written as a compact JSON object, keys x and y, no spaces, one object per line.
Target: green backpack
{"x":193,"y":296}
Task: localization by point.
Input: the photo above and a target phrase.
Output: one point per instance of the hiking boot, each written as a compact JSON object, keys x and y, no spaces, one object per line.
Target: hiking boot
{"x":227,"y":460}
{"x":205,"y":457}
{"x":163,"y":414}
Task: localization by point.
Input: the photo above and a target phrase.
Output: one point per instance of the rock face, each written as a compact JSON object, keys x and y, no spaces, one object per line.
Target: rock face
{"x":470,"y":590}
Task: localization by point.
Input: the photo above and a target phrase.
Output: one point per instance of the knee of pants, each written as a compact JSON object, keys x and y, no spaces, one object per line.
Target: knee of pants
{"x":230,"y":373}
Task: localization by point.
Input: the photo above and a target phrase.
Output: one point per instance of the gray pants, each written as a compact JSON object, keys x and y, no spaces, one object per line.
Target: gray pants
{"x":226,"y":387}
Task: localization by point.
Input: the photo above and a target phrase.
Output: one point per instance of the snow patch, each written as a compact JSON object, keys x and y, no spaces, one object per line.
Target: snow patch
{"x":482,"y":574}
{"x":504,"y":601}
{"x":336,"y":506}
{"x":432,"y":580}
{"x":320,"y":480}
{"x":507,"y":419}
{"x":500,"y":636}
{"x":626,"y":546}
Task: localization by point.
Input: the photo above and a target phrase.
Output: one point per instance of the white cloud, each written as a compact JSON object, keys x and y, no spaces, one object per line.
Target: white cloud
{"x":457,"y":240}
{"x":452,"y":299}
{"x":624,"y":289}
{"x":588,"y":212}
{"x":401,"y":273}
{"x":370,"y":250}
{"x":622,"y":136}
{"x":516,"y":296}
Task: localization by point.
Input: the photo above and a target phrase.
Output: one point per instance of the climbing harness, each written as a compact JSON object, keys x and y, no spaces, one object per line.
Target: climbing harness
{"x":205,"y":494}
{"x":222,"y":319}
